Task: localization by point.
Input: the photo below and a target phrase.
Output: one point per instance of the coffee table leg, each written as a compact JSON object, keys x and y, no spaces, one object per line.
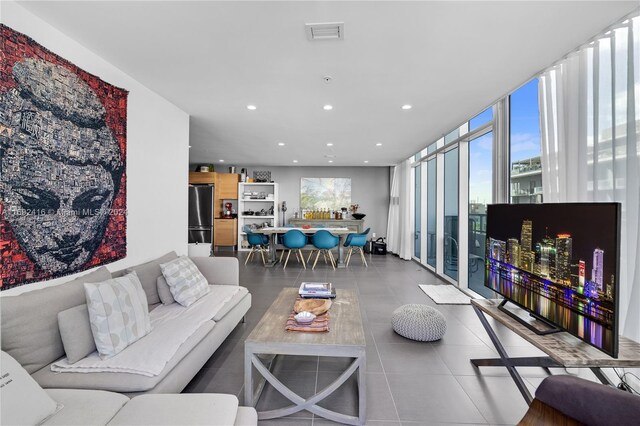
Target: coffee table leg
{"x":362,"y":388}
{"x":310,"y":404}
{"x":248,"y":378}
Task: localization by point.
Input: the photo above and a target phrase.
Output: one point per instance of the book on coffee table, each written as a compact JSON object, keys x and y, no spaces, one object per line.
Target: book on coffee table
{"x":319,"y":290}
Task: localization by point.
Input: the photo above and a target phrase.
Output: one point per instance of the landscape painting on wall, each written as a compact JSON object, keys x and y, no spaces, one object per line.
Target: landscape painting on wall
{"x":325,"y":193}
{"x":62,"y":165}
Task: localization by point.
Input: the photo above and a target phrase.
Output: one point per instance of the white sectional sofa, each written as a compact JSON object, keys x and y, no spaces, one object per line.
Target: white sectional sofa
{"x":25,"y":403}
{"x":31,"y":335}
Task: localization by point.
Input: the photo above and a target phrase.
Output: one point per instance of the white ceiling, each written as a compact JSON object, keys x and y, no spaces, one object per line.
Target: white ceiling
{"x":212,"y":59}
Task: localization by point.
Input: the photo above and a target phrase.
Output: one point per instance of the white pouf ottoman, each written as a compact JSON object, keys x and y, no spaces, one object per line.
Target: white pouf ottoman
{"x":419,"y":322}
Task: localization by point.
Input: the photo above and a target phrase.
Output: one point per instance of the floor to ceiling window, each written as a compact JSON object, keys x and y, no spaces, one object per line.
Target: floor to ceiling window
{"x":450,"y":241}
{"x":526,"y":168}
{"x":431,"y":211}
{"x":480,"y":194}
{"x":417,"y":216}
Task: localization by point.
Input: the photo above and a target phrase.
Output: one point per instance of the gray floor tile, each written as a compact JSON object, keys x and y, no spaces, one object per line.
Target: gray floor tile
{"x":457,"y":359}
{"x":380,"y":405}
{"x":215,"y":380}
{"x":497,"y":398}
{"x":411,"y":358}
{"x":459,"y":335}
{"x":432,"y":398}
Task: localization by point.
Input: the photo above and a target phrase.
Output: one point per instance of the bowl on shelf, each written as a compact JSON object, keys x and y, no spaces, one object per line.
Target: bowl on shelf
{"x":358,"y":216}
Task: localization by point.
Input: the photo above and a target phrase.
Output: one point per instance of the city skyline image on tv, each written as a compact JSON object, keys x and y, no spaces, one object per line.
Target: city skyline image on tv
{"x":560,"y":261}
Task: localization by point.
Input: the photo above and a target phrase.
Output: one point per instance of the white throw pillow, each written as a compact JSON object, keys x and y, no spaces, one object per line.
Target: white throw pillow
{"x":118,"y":313}
{"x":22,"y":400}
{"x":186,"y":282}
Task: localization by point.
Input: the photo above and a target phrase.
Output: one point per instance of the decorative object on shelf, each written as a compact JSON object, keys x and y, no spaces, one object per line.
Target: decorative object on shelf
{"x":67,"y":128}
{"x":243,"y":175}
{"x":228,"y":210}
{"x":284,"y":209}
{"x":262,"y":176}
{"x":354,"y":208}
{"x":358,"y":216}
{"x":232,"y":169}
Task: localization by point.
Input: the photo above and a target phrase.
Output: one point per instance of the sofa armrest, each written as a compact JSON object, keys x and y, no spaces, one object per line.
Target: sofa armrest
{"x":219,"y":270}
{"x":589,"y":402}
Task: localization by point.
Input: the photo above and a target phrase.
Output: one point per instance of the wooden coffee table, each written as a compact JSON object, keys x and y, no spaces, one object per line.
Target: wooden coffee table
{"x":344,"y":339}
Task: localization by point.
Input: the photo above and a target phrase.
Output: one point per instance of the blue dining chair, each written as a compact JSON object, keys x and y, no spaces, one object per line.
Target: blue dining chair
{"x":356,"y":242}
{"x":294,"y":240}
{"x":324,"y":241}
{"x":279,"y":240}
{"x":257,"y":242}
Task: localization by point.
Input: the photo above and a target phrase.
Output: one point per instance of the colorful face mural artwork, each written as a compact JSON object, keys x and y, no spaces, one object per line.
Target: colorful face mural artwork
{"x":62,"y":163}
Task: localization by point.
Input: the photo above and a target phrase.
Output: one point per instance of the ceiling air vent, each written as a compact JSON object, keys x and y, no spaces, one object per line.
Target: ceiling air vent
{"x":325,"y":31}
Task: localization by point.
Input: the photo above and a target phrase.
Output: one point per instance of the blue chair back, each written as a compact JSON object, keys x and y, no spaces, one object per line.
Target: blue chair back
{"x":255,"y":239}
{"x":324,"y":240}
{"x":357,"y":240}
{"x":279,"y":236}
{"x":294,"y":239}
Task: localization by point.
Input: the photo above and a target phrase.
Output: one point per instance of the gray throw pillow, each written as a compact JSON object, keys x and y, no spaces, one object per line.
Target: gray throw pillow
{"x":164,"y":291}
{"x":148,"y":273}
{"x":75,"y":330}
{"x":37,"y":343}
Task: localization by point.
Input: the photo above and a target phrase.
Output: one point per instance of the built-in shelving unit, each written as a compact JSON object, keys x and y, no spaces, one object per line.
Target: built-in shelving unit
{"x":248,"y":202}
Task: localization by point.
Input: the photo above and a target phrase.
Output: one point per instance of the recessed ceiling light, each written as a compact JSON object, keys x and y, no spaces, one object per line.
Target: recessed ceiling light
{"x":327,"y":107}
{"x":407,"y":106}
{"x":252,"y":107}
{"x":378,"y":144}
{"x":189,"y":146}
{"x":366,"y":161}
{"x":330,"y":144}
{"x":295,"y":161}
{"x":280,"y":143}
{"x":330,"y":161}
{"x":222,"y":161}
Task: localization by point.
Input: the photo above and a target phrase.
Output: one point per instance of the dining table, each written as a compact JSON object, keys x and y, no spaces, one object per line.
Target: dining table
{"x":272,"y":232}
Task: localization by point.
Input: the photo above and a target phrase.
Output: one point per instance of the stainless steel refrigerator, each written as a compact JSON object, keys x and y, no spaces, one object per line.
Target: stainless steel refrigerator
{"x":201,"y":214}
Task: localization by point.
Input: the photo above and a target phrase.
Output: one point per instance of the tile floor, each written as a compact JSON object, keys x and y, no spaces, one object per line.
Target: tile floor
{"x":408,"y":383}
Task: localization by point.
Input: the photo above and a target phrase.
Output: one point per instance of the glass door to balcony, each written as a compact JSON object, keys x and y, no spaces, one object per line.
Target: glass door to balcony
{"x":480,"y":194}
{"x":431,"y":194}
{"x":417,"y":204}
{"x":450,"y":242}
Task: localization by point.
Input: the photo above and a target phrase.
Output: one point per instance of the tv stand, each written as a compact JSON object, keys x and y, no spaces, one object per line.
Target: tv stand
{"x":563,"y":349}
{"x":549,"y":328}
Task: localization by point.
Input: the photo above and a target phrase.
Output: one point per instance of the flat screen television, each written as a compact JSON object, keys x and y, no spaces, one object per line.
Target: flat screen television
{"x":560,"y":262}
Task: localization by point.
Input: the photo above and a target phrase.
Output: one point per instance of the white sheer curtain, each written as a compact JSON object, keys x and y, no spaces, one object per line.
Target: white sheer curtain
{"x":399,"y":236}
{"x":590,"y":127}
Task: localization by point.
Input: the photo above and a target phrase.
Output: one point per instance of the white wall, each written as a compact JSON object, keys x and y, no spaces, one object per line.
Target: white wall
{"x":157,"y":151}
{"x":369,"y":188}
